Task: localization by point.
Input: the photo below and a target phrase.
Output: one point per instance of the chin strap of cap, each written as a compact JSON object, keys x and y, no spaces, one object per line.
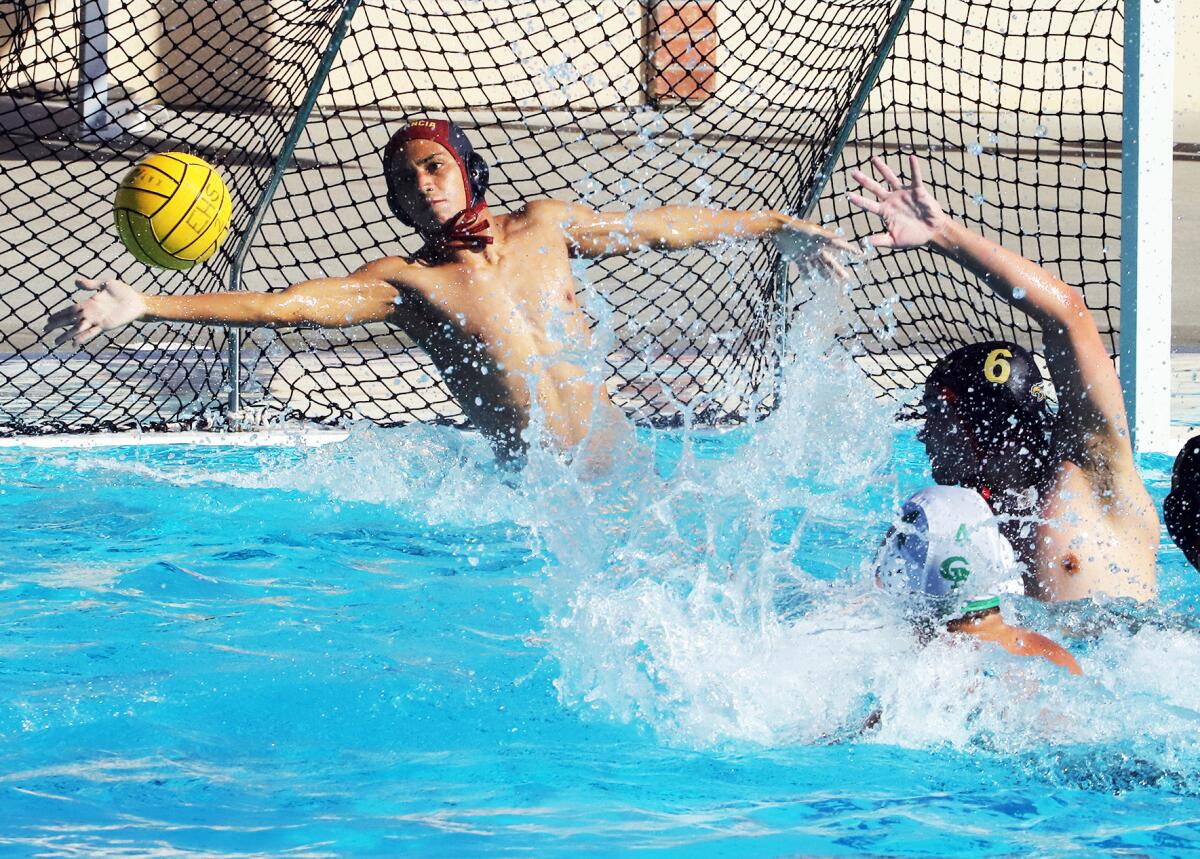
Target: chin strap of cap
{"x":466,"y":230}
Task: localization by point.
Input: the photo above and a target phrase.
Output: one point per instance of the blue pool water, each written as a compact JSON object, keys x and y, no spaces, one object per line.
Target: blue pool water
{"x":388,"y":647}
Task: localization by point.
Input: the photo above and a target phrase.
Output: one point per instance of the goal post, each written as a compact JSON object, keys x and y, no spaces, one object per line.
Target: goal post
{"x":233,"y":403}
{"x":1146,"y":223}
{"x":1048,"y":128}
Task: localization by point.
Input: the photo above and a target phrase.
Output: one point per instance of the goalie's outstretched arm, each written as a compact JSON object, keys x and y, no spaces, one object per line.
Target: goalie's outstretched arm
{"x":593,"y":234}
{"x":367,"y":295}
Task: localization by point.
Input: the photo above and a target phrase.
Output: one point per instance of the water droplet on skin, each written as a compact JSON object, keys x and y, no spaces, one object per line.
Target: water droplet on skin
{"x":1018,"y":293}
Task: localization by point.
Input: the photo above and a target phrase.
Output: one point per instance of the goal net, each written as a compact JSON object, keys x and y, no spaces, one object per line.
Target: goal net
{"x":1014,"y":109}
{"x":712,"y":102}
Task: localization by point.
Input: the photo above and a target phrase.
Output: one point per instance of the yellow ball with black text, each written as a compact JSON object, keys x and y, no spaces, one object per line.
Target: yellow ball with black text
{"x":172,"y":210}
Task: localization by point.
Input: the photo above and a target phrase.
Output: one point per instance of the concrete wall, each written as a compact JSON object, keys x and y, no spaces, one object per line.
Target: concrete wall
{"x":42,"y":55}
{"x":182,"y":53}
{"x":1185,"y":260}
{"x":1187,"y":71}
{"x":457,"y":52}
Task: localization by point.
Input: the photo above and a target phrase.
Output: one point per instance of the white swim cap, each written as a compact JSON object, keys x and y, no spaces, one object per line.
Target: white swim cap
{"x":946,"y":552}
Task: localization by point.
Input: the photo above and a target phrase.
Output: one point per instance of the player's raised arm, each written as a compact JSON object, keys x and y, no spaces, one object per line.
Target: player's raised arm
{"x":1089,"y":393}
{"x":367,"y":295}
{"x":595,"y":234}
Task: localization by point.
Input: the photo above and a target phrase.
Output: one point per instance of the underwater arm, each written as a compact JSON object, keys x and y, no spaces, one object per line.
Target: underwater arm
{"x":367,"y":295}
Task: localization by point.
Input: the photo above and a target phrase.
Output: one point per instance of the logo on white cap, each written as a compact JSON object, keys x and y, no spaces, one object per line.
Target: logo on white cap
{"x":947,"y":546}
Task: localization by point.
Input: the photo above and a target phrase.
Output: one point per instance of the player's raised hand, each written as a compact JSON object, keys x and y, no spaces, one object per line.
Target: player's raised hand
{"x":911,"y":214}
{"x":112,"y":304}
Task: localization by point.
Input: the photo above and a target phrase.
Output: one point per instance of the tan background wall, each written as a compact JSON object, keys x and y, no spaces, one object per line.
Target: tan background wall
{"x":590,"y":50}
{"x":1185,"y":260}
{"x":1187,"y":71}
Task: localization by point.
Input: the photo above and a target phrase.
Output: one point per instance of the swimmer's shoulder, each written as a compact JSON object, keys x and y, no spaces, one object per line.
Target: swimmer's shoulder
{"x":406,"y":275}
{"x":545,"y":221}
{"x":413,"y":271}
{"x":558,"y":215}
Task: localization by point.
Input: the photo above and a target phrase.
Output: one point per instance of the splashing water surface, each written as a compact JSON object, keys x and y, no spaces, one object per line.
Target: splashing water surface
{"x":392,"y":645}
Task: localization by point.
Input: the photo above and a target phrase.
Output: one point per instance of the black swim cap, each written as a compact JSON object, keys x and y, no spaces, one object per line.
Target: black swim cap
{"x":1181,"y":509}
{"x":991,"y":382}
{"x":454,"y":140}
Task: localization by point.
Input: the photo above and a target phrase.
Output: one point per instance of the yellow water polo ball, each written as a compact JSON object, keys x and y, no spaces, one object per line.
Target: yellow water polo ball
{"x":172,"y":210}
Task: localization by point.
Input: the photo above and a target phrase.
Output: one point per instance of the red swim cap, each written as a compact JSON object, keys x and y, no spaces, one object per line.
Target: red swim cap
{"x":446,"y":133}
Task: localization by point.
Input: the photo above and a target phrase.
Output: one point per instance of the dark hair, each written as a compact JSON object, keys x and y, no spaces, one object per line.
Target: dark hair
{"x":1181,"y":509}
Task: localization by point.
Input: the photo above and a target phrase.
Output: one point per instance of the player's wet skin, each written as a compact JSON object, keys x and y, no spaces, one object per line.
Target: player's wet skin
{"x":1080,"y":516}
{"x":498,"y":319}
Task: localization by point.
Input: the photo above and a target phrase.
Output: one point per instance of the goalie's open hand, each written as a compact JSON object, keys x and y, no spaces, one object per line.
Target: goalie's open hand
{"x":112,"y":304}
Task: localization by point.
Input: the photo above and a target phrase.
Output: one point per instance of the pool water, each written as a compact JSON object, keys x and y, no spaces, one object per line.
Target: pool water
{"x":389,"y":646}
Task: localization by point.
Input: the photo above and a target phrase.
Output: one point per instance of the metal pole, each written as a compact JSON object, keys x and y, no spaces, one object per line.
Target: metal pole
{"x":268,"y":194}
{"x":93,"y":71}
{"x":1146,"y":192}
{"x":856,"y":107}
{"x":813,"y":195}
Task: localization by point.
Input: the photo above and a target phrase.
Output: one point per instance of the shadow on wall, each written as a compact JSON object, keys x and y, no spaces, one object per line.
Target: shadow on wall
{"x":182,"y":53}
{"x":216,"y":54}
{"x":19,"y":25}
{"x":16,"y":30}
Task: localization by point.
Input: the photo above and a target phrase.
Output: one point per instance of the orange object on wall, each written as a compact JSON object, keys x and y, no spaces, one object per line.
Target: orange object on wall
{"x":683,"y":50}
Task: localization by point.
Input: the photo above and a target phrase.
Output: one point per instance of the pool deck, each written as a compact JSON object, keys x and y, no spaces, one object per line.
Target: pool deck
{"x":1185,"y":422}
{"x":1185,"y":394}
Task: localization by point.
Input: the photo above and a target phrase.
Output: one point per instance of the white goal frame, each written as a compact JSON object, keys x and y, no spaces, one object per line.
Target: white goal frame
{"x":1146,"y":219}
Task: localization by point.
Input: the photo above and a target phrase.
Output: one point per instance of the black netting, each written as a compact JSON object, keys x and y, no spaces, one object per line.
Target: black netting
{"x":217,"y":79}
{"x":1014,"y":110}
{"x":612,"y":104}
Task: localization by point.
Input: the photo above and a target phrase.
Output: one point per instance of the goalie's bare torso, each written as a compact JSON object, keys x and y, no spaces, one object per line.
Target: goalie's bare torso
{"x":497,"y":322}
